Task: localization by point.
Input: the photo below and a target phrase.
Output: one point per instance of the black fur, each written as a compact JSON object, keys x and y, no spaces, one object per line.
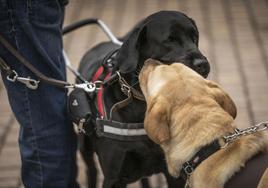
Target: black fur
{"x":168,"y":36}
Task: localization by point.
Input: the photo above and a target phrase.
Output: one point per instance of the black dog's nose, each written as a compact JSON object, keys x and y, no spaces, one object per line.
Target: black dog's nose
{"x":201,"y":66}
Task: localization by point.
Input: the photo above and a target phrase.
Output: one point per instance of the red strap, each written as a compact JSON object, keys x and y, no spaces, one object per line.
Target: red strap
{"x":97,"y":74}
{"x":99,"y":98}
{"x":100,"y":92}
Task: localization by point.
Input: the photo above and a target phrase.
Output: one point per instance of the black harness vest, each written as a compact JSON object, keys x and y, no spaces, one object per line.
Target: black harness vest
{"x":87,"y":109}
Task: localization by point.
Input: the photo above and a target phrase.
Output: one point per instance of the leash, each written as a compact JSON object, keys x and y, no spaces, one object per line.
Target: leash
{"x":13,"y":76}
{"x":239,"y":133}
{"x":33,"y":84}
{"x":206,"y":151}
{"x":80,"y":111}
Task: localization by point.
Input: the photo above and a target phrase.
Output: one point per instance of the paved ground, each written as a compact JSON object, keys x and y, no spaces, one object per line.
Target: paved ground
{"x":233,"y":35}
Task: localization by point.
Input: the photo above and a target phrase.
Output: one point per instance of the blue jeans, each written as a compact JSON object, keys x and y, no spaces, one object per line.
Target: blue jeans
{"x":47,"y":140}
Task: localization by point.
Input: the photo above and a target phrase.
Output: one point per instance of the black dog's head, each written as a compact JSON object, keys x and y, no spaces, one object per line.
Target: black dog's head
{"x":167,"y":36}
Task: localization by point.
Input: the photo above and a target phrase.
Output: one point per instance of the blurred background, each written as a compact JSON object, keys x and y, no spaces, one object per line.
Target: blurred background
{"x":233,"y":36}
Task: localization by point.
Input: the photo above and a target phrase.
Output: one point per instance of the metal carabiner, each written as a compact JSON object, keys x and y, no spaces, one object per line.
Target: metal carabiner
{"x":13,"y":76}
{"x":87,"y":87}
{"x":30,"y":83}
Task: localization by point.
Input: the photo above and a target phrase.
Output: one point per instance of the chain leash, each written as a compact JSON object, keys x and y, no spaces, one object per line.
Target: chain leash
{"x":250,"y":130}
{"x":263,"y":126}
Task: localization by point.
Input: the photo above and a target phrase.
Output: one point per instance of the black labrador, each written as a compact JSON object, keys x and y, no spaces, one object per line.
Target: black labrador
{"x":167,"y":36}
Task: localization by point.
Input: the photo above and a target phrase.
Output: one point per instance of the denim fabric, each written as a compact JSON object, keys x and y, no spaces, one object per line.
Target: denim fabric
{"x":46,"y":138}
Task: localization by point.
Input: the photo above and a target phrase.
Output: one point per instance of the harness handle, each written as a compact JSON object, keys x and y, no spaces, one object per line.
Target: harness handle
{"x":90,"y":21}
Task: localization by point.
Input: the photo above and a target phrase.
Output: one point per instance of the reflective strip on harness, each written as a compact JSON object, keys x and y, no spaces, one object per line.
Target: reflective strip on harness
{"x":120,"y":131}
{"x":123,"y":132}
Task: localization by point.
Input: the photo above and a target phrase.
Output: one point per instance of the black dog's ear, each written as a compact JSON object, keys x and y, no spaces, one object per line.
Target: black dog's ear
{"x":128,"y":55}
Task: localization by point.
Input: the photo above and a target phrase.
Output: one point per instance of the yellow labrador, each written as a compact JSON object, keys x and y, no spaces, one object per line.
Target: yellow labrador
{"x":186,"y":114}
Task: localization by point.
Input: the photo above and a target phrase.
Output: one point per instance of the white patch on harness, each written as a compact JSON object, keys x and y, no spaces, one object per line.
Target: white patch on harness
{"x":123,"y":132}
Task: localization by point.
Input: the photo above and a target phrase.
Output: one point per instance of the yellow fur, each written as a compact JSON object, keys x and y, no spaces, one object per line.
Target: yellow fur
{"x":184,"y":113}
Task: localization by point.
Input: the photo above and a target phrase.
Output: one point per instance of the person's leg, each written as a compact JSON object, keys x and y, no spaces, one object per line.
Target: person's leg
{"x":47,"y":140}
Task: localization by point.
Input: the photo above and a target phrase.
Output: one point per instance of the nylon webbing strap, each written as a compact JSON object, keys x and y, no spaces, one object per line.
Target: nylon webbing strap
{"x":4,"y":67}
{"x":198,"y":158}
{"x":120,"y":105}
{"x":121,"y":131}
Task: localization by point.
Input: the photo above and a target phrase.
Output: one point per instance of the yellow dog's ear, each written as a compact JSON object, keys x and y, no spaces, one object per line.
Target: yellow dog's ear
{"x":156,"y":120}
{"x":222,"y":98}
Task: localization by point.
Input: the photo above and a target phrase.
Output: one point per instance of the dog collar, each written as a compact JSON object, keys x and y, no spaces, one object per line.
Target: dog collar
{"x":206,"y":151}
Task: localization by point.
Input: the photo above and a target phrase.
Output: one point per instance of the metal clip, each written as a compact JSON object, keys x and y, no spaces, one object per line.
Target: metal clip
{"x":98,"y":84}
{"x":87,"y":87}
{"x":80,"y":126}
{"x":124,"y":87}
{"x":188,"y":169}
{"x":13,"y":76}
{"x":30,"y":83}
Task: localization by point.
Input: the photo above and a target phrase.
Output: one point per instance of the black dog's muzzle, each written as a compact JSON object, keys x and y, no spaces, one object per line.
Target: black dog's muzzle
{"x":197,"y":62}
{"x":201,"y":66}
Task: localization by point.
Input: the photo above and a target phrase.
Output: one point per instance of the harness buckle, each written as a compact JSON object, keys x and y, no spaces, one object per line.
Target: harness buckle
{"x":125,"y":88}
{"x":98,"y":84}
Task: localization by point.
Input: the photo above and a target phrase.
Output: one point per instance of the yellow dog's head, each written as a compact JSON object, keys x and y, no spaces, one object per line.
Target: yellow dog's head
{"x":171,"y":88}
